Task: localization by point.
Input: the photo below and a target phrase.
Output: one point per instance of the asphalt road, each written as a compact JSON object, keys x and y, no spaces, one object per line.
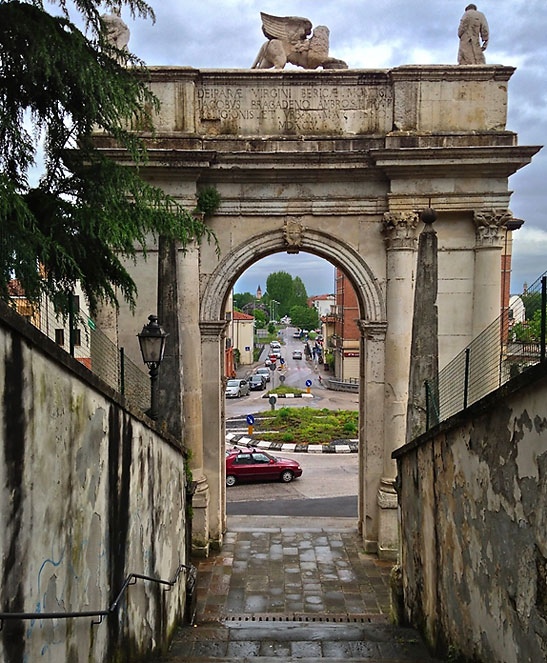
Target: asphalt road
{"x":337,"y":507}
{"x":328,"y":487}
{"x":296,"y":372}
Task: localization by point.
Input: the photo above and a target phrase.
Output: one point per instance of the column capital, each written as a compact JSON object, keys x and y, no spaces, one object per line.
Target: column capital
{"x":489,"y":226}
{"x":399,"y":229}
{"x":373,"y":331}
{"x":212,"y":330}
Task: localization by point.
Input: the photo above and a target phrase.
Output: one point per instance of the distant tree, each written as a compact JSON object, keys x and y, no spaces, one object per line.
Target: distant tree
{"x":279,"y":287}
{"x":241,"y":299}
{"x":529,"y":331}
{"x":260,"y":318}
{"x":299,"y":294}
{"x":304,"y":317}
{"x":87,"y":214}
{"x":532,"y":303}
{"x":271,"y":328}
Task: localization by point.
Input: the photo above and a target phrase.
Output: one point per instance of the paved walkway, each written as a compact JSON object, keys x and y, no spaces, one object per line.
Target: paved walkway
{"x":292,"y":589}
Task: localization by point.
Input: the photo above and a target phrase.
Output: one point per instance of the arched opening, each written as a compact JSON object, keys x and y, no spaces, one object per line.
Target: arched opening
{"x":372,"y":325}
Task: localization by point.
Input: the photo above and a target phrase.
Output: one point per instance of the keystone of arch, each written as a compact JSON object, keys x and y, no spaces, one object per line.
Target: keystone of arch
{"x":321,"y":244}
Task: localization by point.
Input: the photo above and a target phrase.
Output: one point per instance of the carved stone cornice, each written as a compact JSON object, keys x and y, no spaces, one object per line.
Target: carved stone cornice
{"x":373,"y":331}
{"x":212,"y":330}
{"x":399,"y":230}
{"x":489,"y":227}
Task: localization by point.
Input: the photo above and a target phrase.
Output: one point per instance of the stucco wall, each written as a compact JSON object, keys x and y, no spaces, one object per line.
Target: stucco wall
{"x":88,"y":494}
{"x":474,"y":527}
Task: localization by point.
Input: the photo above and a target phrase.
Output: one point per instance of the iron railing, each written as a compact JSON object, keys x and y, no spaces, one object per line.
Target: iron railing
{"x":131,"y":579}
{"x":511,"y":344}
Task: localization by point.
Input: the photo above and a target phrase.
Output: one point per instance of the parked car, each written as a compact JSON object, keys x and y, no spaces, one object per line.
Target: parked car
{"x":257,"y":382}
{"x":253,"y":465}
{"x":236,"y":388}
{"x":265,"y":372}
{"x":297,"y":354}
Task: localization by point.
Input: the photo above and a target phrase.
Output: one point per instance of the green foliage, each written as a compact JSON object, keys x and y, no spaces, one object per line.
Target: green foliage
{"x":287,"y":437}
{"x":304,"y":317}
{"x":271,"y":328}
{"x":87,"y":214}
{"x":532,"y":303}
{"x":279,"y":286}
{"x":310,"y":426}
{"x":529,"y":331}
{"x":242,"y":298}
{"x":329,"y":358}
{"x":260,"y":318}
{"x":299,"y":294}
{"x":237,"y":356}
{"x":208,"y":201}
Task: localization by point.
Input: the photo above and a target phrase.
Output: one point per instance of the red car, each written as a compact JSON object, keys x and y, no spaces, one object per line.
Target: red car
{"x":253,"y":465}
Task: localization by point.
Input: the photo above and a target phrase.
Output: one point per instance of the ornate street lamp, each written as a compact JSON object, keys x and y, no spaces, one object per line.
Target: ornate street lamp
{"x":152,"y":343}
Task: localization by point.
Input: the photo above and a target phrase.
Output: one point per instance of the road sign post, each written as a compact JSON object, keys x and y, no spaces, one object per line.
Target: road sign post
{"x":273,"y":401}
{"x":250,"y":424}
{"x":308,"y":386}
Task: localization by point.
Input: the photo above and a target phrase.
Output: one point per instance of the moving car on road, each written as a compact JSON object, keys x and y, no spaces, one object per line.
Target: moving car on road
{"x":257,"y":382}
{"x":265,"y":372}
{"x":236,"y":388}
{"x":253,"y":465}
{"x":297,"y":354}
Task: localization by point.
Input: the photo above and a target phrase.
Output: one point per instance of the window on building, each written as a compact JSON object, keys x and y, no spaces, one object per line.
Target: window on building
{"x":77,"y":336}
{"x":60,"y":336}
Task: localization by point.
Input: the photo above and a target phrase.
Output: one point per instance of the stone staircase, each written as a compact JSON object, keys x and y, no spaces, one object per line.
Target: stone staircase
{"x":291,"y":589}
{"x":372,"y":640}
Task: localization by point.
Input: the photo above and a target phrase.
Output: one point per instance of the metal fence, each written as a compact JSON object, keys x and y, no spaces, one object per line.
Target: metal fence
{"x":512,"y":343}
{"x":78,"y":335}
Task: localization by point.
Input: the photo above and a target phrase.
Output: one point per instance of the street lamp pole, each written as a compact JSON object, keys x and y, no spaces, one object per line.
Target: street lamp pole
{"x":152,"y":343}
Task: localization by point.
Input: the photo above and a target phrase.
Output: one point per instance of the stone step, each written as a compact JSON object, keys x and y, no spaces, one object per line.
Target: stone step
{"x":220,"y":642}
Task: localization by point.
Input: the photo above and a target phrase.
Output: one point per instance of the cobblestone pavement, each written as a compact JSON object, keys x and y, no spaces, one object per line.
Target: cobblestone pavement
{"x":292,"y":567}
{"x":294,"y":590}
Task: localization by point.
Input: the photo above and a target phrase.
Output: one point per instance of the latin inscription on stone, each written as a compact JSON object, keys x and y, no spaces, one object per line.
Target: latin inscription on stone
{"x":296,"y":109}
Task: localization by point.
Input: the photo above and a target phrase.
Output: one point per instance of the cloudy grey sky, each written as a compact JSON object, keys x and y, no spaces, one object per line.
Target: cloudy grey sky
{"x":372,"y":34}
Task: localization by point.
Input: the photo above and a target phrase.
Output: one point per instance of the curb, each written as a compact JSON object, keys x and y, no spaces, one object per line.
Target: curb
{"x":334,"y":447}
{"x":288,"y":395}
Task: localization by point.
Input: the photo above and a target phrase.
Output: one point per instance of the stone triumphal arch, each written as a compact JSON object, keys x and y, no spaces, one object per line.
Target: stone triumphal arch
{"x":336,"y":163}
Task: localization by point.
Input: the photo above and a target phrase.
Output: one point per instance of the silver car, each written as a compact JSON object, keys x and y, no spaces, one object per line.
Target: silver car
{"x":236,"y":388}
{"x":265,"y":372}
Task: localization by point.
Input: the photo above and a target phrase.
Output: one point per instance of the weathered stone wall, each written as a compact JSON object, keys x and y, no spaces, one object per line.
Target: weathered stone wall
{"x":474,"y":527}
{"x":88,"y":494}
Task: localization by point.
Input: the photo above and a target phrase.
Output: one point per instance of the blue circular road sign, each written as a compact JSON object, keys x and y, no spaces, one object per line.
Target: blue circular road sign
{"x":308,"y":383}
{"x":250,"y":420}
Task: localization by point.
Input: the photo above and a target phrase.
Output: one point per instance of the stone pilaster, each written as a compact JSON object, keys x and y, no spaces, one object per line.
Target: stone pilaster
{"x":489,"y":228}
{"x":212,"y":366}
{"x":489,"y":236}
{"x":190,"y":345}
{"x":371,"y":431}
{"x":401,"y":245}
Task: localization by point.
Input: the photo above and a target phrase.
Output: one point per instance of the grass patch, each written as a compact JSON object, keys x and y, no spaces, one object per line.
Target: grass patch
{"x":306,"y":425}
{"x":286,"y":390}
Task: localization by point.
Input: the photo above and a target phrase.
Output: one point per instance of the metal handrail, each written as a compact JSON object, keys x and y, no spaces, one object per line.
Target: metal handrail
{"x":131,"y":579}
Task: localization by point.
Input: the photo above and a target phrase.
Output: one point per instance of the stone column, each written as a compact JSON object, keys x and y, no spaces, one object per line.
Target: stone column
{"x":371,"y":427}
{"x":212,"y":366}
{"x":190,"y":344}
{"x":485,"y":356}
{"x":401,"y":245}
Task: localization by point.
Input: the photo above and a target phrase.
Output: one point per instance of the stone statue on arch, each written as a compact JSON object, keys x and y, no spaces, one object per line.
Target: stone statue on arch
{"x":288,"y":42}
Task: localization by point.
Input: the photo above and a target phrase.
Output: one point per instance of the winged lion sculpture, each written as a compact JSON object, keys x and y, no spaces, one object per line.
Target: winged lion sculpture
{"x":288,"y":42}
